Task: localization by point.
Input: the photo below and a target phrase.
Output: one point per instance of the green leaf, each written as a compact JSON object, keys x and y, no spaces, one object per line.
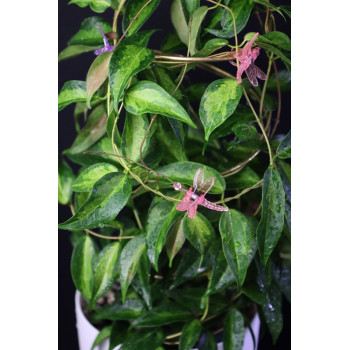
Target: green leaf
{"x":189,"y":7}
{"x":271,"y":224}
{"x":252,"y":291}
{"x":162,"y":214}
{"x":118,"y":334}
{"x":284,"y":148}
{"x":198,"y":231}
{"x":65,"y":181}
{"x":129,"y":260}
{"x":197,"y":19}
{"x":211,"y":46}
{"x":91,"y":132}
{"x":140,"y":282}
{"x":190,"y":334}
{"x":284,"y":169}
{"x":88,"y":33}
{"x":126,"y":61}
{"x":284,"y":78}
{"x":233,"y":330}
{"x":219,"y":101}
{"x":144,"y":339}
{"x":280,"y":54}
{"x":163,"y":314}
{"x":172,"y":43}
{"x":98,"y":6}
{"x":104,"y":270}
{"x":189,"y":297}
{"x":177,"y":15}
{"x":184,"y":172}
{"x":82,"y":266}
{"x":129,"y":310}
{"x":97,"y":74}
{"x":103,"y":334}
{"x":222,"y":275}
{"x":276,"y":38}
{"x":241,"y":10}
{"x":238,"y":242}
{"x":175,"y":240}
{"x":72,"y":91}
{"x":132,"y":9}
{"x":245,"y":178}
{"x":245,"y":132}
{"x":271,"y":6}
{"x":209,"y":342}
{"x":75,"y":50}
{"x":148,"y":97}
{"x":139,"y":38}
{"x":108,"y":198}
{"x":87,"y":178}
{"x":282,"y":275}
{"x":135,"y":128}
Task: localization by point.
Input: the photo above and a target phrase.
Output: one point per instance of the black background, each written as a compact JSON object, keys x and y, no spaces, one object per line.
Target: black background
{"x":69,"y":20}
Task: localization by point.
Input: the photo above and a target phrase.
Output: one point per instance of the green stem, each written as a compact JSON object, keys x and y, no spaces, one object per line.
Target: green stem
{"x":265,"y":85}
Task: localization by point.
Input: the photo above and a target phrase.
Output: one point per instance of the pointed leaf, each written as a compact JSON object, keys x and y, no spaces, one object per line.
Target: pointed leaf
{"x":277,"y":38}
{"x":126,"y":61}
{"x":284,"y":169}
{"x":209,"y":342}
{"x":177,"y":15}
{"x":219,"y":101}
{"x":119,"y":333}
{"x":72,"y":91}
{"x":103,"y":334}
{"x":75,"y":50}
{"x":98,"y":6}
{"x":87,"y":178}
{"x":108,"y":198}
{"x":148,"y":97}
{"x":189,"y":297}
{"x":97,"y":74}
{"x":132,"y":9}
{"x":143,"y":339}
{"x":163,"y":314}
{"x":190,"y":334}
{"x":139,"y":38}
{"x":284,"y":149}
{"x":238,"y":242}
{"x":65,"y":181}
{"x":82,"y":266}
{"x":88,"y":33}
{"x":233,"y":330}
{"x":198,"y":231}
{"x":130,"y":310}
{"x":91,"y":132}
{"x":129,"y":260}
{"x":162,"y":214}
{"x":184,"y":172}
{"x":245,"y":178}
{"x":175,"y":240}
{"x":283,"y":55}
{"x":272,"y":218}
{"x":189,"y":7}
{"x":197,"y":19}
{"x":104,"y":270}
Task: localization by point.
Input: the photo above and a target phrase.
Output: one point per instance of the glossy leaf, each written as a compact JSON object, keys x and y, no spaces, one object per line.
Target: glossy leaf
{"x":189,"y":297}
{"x":282,"y":275}
{"x":197,"y":19}
{"x":91,"y":132}
{"x":252,"y":291}
{"x":172,"y":43}
{"x":104,"y":270}
{"x":87,"y":178}
{"x":139,"y":38}
{"x":198,"y":231}
{"x":190,"y":334}
{"x":103,"y":334}
{"x":284,"y":149}
{"x":219,"y":101}
{"x":233,"y":330}
{"x":245,"y":132}
{"x":143,"y":339}
{"x":135,"y":128}
{"x":118,"y":334}
{"x":271,"y":6}
{"x":129,"y":310}
{"x":97,"y":74}
{"x":287,"y":219}
{"x":163,"y":314}
{"x":238,"y":242}
{"x":177,"y":15}
{"x":140,"y":282}
{"x":284,"y":169}
{"x":129,"y":260}
{"x":72,"y":91}
{"x":175,"y":240}
{"x":75,"y":50}
{"x":88,"y":33}
{"x":280,"y":54}
{"x":245,"y":178}
{"x":148,"y":97}
{"x":211,"y":46}
{"x":126,"y":61}
{"x":131,"y":10}
{"x":82,"y":266}
{"x":184,"y":172}
{"x":189,"y":7}
{"x":284,"y":78}
{"x":65,"y":181}
{"x":108,"y":198}
{"x":162,"y":214}
{"x":277,"y":38}
{"x":209,"y":342}
{"x":271,"y":224}
{"x":98,"y":6}
{"x":241,"y":10}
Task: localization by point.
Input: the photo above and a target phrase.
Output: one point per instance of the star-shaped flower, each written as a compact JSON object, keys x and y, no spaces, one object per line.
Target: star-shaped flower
{"x":246,"y":58}
{"x":107,"y":46}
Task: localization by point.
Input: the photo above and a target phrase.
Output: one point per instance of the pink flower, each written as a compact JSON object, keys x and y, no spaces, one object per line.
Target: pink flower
{"x":246,"y":58}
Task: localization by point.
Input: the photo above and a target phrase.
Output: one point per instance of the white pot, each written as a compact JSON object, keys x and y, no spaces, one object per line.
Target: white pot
{"x":87,"y":333}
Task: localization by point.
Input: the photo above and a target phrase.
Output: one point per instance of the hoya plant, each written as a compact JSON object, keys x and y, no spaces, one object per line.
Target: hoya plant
{"x":179,"y":188}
